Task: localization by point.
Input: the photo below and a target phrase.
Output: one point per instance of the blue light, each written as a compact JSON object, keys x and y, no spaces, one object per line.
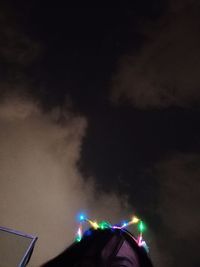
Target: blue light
{"x":124,"y":224}
{"x":88,"y":233}
{"x":81,"y":217}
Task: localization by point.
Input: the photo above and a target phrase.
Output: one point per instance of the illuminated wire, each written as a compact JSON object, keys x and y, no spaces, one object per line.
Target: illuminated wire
{"x":105,"y":225}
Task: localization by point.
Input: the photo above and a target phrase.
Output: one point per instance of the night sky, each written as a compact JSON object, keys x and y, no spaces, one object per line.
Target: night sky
{"x":124,"y":81}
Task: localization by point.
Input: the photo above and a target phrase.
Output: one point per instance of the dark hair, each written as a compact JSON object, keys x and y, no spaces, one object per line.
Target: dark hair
{"x":88,"y":252}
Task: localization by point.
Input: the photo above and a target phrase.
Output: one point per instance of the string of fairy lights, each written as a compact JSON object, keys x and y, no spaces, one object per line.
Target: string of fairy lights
{"x":82,"y":218}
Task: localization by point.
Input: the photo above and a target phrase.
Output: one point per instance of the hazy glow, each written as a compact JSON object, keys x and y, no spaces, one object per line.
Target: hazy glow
{"x":41,"y":187}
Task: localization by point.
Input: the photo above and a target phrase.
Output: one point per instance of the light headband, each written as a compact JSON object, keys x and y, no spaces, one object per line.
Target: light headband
{"x":106,"y":225}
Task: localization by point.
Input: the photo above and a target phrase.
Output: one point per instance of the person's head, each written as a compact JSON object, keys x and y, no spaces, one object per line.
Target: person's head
{"x":103,"y":248}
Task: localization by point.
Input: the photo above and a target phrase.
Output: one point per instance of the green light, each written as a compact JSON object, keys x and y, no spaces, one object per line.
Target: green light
{"x":104,"y":225}
{"x":78,"y":239}
{"x":141,"y":226}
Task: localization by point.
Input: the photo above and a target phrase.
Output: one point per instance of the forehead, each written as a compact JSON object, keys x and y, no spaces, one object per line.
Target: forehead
{"x":126,"y":256}
{"x":113,"y":254}
{"x":108,"y":245}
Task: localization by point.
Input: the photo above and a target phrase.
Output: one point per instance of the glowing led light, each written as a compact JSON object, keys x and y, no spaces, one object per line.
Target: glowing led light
{"x":135,"y":219}
{"x":82,"y":217}
{"x":139,"y":239}
{"x":94,"y":225}
{"x":124,"y":224}
{"x":116,"y":227}
{"x":78,"y":238}
{"x":79,"y":234}
{"x":88,"y":233}
{"x":144,"y":245}
{"x":141,"y":226}
{"x":104,"y":225}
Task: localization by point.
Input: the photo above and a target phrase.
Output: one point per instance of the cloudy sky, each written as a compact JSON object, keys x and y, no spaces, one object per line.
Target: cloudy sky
{"x":99,"y":111}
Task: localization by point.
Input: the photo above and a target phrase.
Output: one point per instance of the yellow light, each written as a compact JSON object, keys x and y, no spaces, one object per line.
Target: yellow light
{"x":94,"y":224}
{"x":135,"y":220}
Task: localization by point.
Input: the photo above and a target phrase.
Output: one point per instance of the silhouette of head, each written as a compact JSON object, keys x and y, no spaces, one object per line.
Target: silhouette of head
{"x":103,"y":248}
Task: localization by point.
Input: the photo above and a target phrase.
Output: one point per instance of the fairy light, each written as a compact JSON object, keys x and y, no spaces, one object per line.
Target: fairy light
{"x":135,"y":220}
{"x":106,"y":225}
{"x":82,"y":217}
{"x":141,"y":227}
{"x":93,"y":224}
{"x":124,"y":224}
{"x":79,"y":234}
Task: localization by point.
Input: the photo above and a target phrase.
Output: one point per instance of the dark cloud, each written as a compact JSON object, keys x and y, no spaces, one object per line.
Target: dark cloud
{"x":165,"y":72}
{"x":15,"y":48}
{"x":176,"y":5}
{"x":18,"y":54}
{"x":178,"y":207}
